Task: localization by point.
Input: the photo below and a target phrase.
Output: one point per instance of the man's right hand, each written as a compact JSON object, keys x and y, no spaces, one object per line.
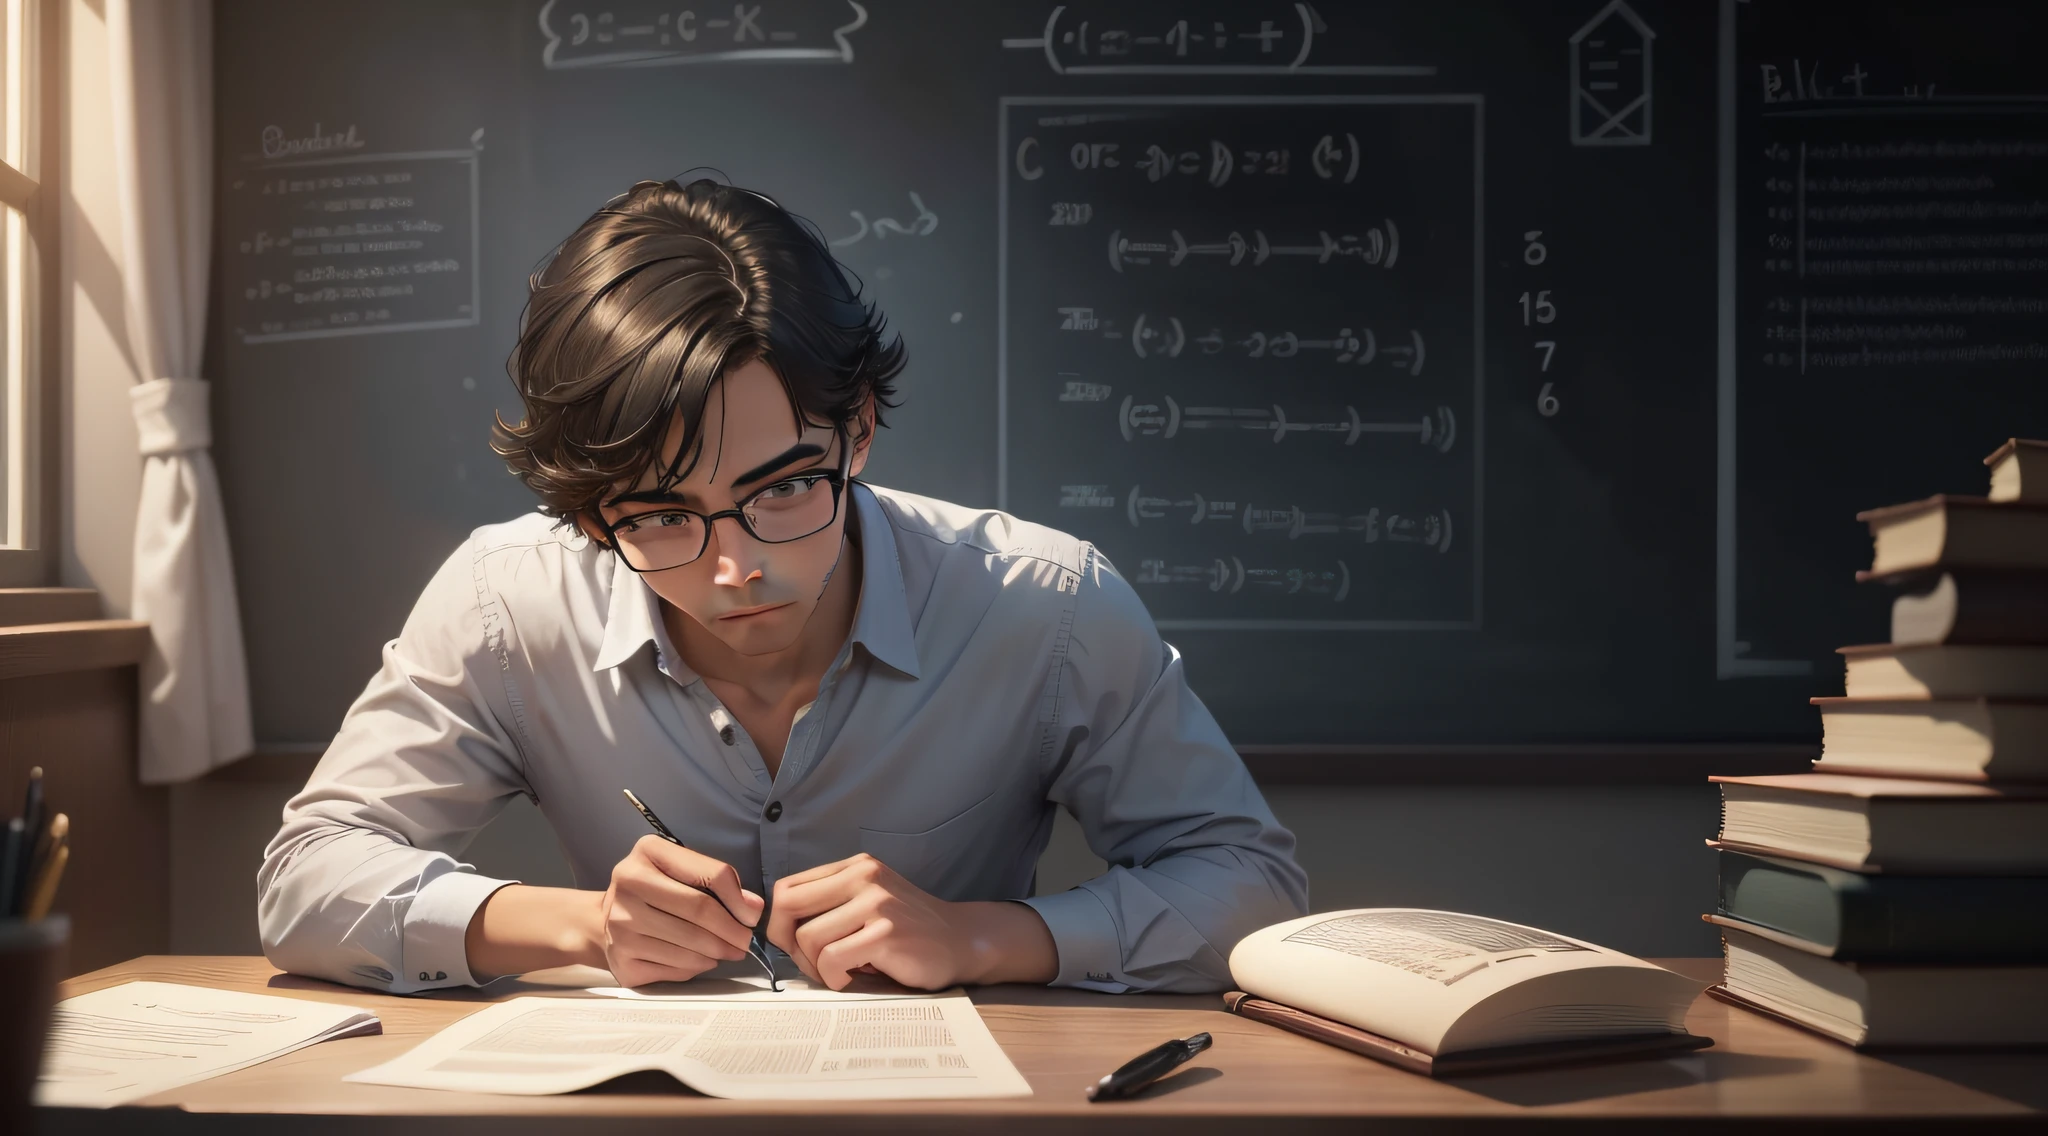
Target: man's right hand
{"x":662,"y":916}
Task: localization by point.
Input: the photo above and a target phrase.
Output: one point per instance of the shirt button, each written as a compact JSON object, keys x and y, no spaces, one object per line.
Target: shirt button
{"x":440,"y":976}
{"x":774,"y":810}
{"x":725,"y":734}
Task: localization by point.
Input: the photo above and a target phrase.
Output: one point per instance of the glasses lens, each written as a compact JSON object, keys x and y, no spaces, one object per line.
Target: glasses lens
{"x":790,"y":510}
{"x":654,"y":541}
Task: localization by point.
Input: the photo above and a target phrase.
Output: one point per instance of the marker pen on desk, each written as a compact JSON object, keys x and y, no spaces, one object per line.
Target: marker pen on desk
{"x":1146,"y":1068}
{"x":757,"y":948}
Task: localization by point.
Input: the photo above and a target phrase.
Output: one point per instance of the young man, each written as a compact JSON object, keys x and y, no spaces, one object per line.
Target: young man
{"x":857,"y":708}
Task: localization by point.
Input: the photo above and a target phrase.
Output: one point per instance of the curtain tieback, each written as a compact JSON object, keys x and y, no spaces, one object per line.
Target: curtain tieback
{"x":171,"y":416}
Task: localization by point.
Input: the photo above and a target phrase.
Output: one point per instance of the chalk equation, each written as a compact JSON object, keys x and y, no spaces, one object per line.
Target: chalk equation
{"x":1230,"y":575}
{"x":1379,"y":247}
{"x":1210,"y":303}
{"x":1167,"y":418}
{"x":1201,"y":39}
{"x":1432,"y":528}
{"x":647,"y":33}
{"x":351,"y":244}
{"x":1154,"y":336}
{"x":1917,"y":245}
{"x":1333,"y":158}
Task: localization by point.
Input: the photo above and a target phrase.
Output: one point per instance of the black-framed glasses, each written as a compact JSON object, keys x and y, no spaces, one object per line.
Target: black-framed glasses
{"x":790,"y":508}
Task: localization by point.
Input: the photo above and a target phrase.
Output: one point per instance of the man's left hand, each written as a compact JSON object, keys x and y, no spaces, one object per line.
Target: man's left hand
{"x":859,"y":916}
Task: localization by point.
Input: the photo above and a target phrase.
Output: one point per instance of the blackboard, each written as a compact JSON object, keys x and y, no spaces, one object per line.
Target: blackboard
{"x":1485,"y":373}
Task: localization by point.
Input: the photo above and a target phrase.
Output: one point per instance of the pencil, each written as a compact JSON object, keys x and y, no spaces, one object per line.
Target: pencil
{"x":56,"y":834}
{"x":46,"y":890}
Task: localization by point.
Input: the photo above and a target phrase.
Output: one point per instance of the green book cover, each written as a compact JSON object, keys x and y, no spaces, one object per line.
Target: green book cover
{"x":1897,"y":918}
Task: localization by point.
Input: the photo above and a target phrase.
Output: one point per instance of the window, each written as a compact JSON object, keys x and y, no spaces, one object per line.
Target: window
{"x":26,"y":225}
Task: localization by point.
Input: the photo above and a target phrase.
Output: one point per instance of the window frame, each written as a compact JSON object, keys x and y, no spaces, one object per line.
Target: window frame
{"x":33,"y":562}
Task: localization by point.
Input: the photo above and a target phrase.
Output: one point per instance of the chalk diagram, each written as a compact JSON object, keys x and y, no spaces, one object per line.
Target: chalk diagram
{"x":1611,"y":79}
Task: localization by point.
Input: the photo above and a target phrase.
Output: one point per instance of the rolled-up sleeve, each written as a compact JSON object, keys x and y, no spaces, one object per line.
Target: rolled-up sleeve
{"x":362,"y":884}
{"x":1197,"y":860}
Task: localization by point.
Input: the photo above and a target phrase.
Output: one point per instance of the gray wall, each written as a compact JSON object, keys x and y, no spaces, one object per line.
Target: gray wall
{"x":1624,"y":867}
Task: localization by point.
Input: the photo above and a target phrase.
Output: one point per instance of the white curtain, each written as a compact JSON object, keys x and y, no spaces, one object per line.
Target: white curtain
{"x":195,"y":683}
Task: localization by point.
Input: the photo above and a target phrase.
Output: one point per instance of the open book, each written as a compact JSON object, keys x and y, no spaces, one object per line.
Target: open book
{"x":1440,"y":992}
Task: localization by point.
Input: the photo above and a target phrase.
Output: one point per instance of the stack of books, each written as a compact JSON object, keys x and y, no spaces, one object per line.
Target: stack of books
{"x":1898,"y":894}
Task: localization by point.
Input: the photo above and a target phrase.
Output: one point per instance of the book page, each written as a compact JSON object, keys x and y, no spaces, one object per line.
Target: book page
{"x":1442,"y":946}
{"x":1411,"y":974}
{"x":128,"y":1041}
{"x":754,"y":1045}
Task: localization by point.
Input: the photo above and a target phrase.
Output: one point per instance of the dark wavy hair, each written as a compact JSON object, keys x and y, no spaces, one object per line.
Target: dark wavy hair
{"x":651,"y":301}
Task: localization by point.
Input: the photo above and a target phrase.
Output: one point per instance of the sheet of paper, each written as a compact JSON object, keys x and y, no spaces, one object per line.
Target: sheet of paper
{"x":126,"y":1042}
{"x":750,"y":1046}
{"x":752,"y":987}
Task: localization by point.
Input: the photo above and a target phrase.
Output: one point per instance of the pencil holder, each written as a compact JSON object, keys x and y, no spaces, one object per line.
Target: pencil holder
{"x":31,"y":961}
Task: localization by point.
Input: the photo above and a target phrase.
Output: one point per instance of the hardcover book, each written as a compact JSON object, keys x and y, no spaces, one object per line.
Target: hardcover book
{"x":1887,"y":824}
{"x":1887,"y":1005}
{"x":1842,"y":914}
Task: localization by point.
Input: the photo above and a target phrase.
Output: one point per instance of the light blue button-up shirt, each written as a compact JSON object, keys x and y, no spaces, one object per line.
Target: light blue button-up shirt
{"x":996,"y":669}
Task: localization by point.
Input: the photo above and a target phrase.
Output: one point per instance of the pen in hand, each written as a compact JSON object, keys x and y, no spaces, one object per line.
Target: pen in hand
{"x":1146,"y":1068}
{"x":757,"y":947}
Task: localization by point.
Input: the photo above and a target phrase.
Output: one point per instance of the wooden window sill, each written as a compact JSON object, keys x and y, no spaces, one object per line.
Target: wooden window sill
{"x":79,"y":645}
{"x":47,"y":605}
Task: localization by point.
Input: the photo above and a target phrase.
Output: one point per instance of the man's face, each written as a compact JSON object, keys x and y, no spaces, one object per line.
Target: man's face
{"x":755,"y":597}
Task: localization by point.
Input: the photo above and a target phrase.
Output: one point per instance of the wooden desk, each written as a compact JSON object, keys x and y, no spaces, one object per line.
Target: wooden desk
{"x":1256,"y":1080}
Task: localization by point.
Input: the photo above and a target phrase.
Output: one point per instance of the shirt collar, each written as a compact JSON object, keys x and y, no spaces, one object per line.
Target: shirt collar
{"x":881,"y":622}
{"x":633,"y":621}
